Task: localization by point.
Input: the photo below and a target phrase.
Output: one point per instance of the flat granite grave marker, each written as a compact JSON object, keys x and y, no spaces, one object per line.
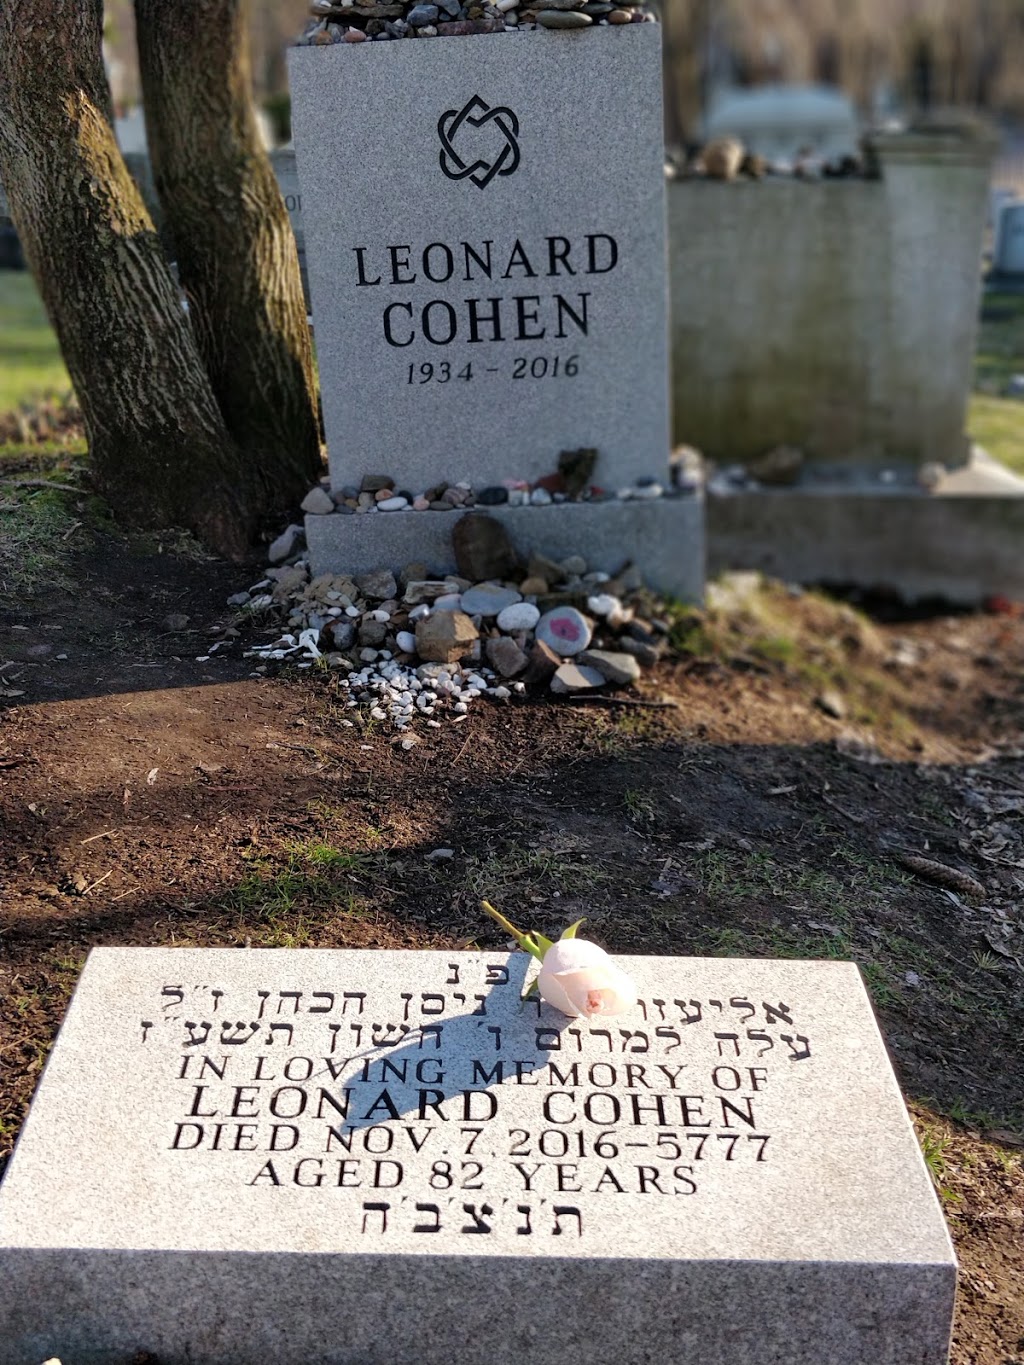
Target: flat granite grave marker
{"x":385,"y":1158}
{"x":485,"y":239}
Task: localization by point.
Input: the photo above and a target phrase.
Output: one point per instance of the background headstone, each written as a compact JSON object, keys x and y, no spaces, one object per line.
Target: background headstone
{"x":387,"y":1157}
{"x":1009,"y":245}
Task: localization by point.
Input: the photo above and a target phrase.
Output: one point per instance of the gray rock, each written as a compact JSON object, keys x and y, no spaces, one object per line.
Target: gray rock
{"x":291,"y":539}
{"x":238,"y":599}
{"x":373,"y":483}
{"x":565,"y":630}
{"x":175,"y":621}
{"x":505,"y":656}
{"x":556,"y":18}
{"x":373,"y":633}
{"x":489,"y":601}
{"x":420,"y":16}
{"x":518,"y":616}
{"x":570,"y":678}
{"x":646,"y":654}
{"x":616,"y":668}
{"x":574,"y":567}
{"x":342,"y":632}
{"x":317,"y":502}
{"x":396,"y":504}
{"x":483,"y":549}
{"x":378,"y":583}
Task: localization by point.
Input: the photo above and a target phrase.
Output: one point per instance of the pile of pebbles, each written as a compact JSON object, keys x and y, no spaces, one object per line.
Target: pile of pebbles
{"x":726,"y":158}
{"x":411,"y":648}
{"x":338,"y":21}
{"x":382,"y":493}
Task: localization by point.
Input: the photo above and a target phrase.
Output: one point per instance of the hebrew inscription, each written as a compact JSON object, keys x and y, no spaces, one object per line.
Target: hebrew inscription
{"x":457,"y":1107}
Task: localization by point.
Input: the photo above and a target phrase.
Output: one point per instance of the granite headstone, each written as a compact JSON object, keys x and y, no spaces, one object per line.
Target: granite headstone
{"x":485,"y":231}
{"x":485,"y":239}
{"x":386,"y":1158}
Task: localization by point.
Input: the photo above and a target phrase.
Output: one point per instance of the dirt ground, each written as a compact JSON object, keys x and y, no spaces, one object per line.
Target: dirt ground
{"x":149,"y":798}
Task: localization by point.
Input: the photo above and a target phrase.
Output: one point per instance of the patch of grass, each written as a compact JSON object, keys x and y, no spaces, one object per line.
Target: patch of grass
{"x":997,"y":424}
{"x":934,"y":1145}
{"x":517,"y":874}
{"x":30,"y":359}
{"x":640,"y":806}
{"x":273,"y":900}
{"x":34,"y":531}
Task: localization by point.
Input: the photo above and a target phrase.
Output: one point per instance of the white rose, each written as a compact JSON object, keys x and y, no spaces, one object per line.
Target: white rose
{"x":578,"y":977}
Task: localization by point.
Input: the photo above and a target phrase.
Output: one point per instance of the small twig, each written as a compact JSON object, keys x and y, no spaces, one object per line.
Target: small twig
{"x":93,"y":885}
{"x":846,"y":814}
{"x":626,"y":701}
{"x":102,"y":835}
{"x":40,"y":483}
{"x":71,"y":530}
{"x":462,"y":750}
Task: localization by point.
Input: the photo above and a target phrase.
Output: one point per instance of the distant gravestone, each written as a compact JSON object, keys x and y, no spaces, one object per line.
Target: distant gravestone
{"x":1009,"y":244}
{"x":385,"y":1158}
{"x":487,"y":267}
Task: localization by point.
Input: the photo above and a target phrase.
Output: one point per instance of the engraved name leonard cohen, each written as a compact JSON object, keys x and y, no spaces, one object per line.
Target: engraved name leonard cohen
{"x":458,"y":129}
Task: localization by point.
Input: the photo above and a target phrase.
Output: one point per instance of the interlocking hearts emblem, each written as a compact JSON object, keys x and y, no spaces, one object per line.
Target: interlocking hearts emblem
{"x":477,"y":112}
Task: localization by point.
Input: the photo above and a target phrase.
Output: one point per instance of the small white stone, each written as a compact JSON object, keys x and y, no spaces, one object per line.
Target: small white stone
{"x":603,"y":604}
{"x":460,"y":708}
{"x":368,"y":655}
{"x":500,"y":693}
{"x":392,"y":504}
{"x":439,"y":853}
{"x":647,"y":491}
{"x":518,"y":497}
{"x":406,"y":641}
{"x":540,"y":497}
{"x":353,"y":613}
{"x":378,"y":713}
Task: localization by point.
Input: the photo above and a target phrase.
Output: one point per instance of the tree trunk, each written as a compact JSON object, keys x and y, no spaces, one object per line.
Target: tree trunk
{"x":159,"y":447}
{"x":235,"y":250}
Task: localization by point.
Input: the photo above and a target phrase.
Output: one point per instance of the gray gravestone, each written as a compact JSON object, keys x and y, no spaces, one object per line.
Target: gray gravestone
{"x":485,"y":231}
{"x":385,"y":1158}
{"x":1009,"y":244}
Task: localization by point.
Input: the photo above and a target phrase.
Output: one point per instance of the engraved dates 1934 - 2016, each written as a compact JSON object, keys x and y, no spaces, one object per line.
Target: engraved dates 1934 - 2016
{"x":521,"y":367}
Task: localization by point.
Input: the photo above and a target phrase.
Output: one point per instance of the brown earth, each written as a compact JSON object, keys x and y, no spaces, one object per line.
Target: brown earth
{"x":150,"y":798}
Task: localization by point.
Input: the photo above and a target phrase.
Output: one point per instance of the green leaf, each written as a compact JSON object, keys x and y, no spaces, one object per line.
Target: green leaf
{"x":531,"y":989}
{"x":571,"y":931}
{"x":543,"y":943}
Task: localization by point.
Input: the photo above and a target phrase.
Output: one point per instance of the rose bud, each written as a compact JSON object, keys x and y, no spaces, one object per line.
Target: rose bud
{"x":578,"y":977}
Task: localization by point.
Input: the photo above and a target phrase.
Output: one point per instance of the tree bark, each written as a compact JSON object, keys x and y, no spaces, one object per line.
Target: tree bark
{"x":235,"y":250}
{"x":159,"y":447}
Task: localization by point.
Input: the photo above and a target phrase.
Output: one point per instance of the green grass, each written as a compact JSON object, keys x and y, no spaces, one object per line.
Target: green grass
{"x":997,"y":424}
{"x":30,"y":359}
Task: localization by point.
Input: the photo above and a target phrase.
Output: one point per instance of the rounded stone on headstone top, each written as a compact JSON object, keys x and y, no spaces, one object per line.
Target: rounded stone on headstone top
{"x":392,"y":504}
{"x":575,"y":566}
{"x":565,"y":630}
{"x":373,"y":483}
{"x":534,"y":586}
{"x":493,"y":496}
{"x":317,"y":502}
{"x":555,"y":18}
{"x":540,"y":497}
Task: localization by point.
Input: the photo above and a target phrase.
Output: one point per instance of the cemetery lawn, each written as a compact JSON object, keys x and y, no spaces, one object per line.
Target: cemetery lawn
{"x":150,"y":795}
